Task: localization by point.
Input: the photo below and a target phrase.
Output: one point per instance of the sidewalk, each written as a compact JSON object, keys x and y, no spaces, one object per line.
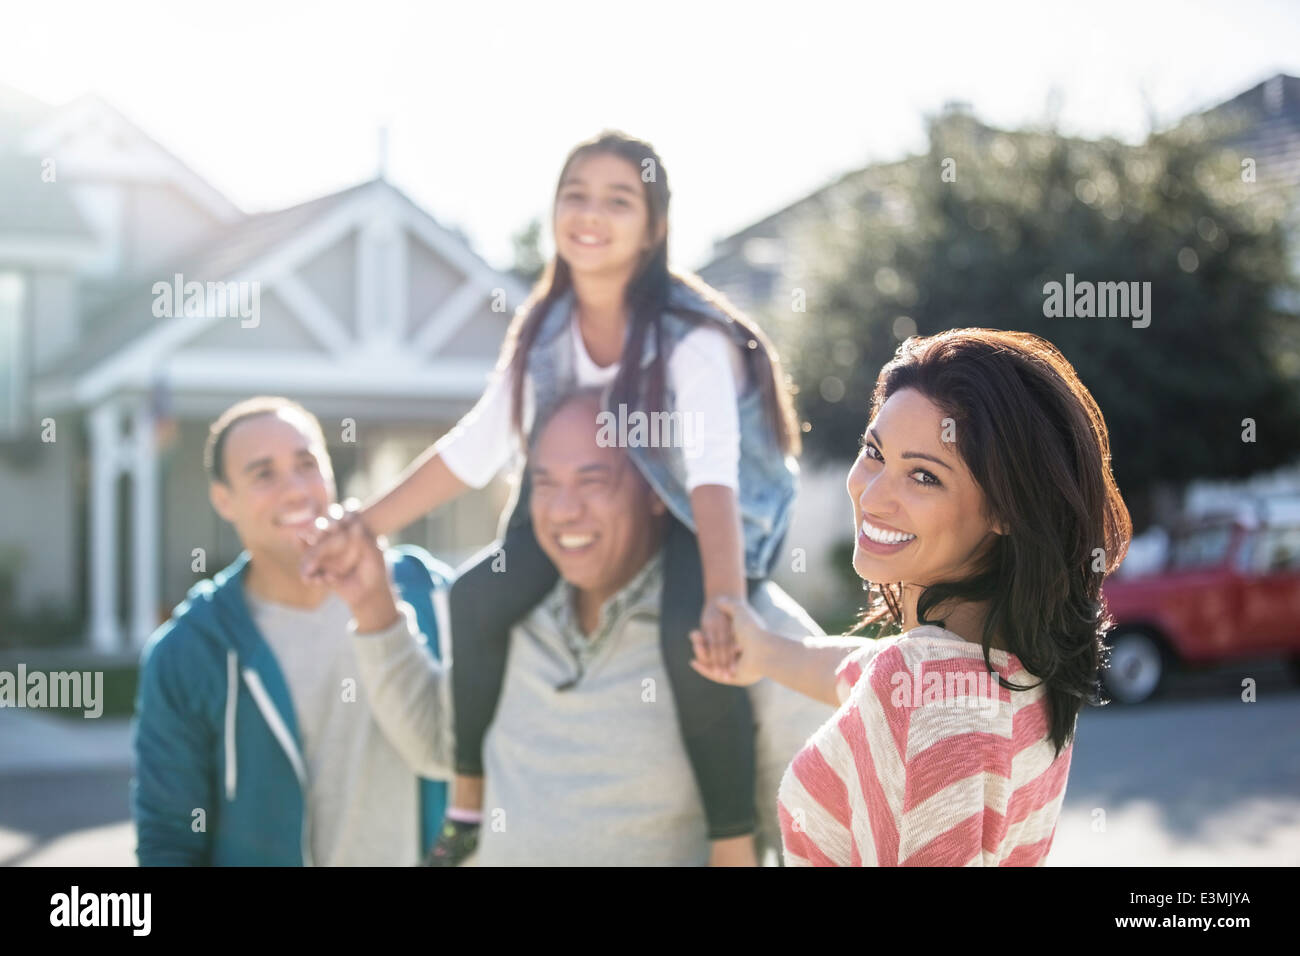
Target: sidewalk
{"x":63,"y":787}
{"x":36,"y":742}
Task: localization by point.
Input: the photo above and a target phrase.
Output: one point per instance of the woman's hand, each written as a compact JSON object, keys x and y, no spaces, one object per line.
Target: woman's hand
{"x":751,"y":642}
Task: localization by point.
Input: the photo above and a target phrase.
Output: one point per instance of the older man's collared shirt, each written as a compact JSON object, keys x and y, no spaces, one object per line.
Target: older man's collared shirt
{"x":562,"y":604}
{"x":584,"y":762}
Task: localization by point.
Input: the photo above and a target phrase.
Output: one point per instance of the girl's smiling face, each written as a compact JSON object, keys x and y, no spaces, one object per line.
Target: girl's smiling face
{"x":918,"y":514}
{"x":601,"y":219}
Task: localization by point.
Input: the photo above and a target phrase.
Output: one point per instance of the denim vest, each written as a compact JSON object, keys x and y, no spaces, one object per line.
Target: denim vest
{"x":768,"y":476}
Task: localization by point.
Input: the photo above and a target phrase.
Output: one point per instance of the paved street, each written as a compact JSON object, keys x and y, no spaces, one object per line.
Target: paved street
{"x":66,"y":818}
{"x":63,"y":791}
{"x":1197,"y":778}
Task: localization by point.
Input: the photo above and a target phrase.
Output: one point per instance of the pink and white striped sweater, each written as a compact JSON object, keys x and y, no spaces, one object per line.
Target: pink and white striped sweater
{"x":928,"y":762}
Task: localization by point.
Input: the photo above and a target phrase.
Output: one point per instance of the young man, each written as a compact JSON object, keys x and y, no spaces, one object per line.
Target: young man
{"x":584,"y":762}
{"x":254,"y":740}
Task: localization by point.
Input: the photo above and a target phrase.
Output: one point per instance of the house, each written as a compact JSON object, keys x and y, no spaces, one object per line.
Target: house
{"x":1264,"y":125}
{"x":137,"y":302}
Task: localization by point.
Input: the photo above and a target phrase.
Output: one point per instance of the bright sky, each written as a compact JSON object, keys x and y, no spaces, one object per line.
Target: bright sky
{"x":750,"y":104}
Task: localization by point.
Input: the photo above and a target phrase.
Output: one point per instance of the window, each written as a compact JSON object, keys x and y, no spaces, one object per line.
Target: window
{"x":1203,"y":548}
{"x":12,"y":351}
{"x":1276,"y":551}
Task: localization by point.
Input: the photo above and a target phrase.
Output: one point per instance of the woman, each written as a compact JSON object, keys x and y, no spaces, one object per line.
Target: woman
{"x":987,"y":518}
{"x":608,"y":312}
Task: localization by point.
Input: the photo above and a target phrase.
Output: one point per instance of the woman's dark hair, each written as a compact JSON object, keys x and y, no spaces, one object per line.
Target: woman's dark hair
{"x":1036,"y":444}
{"x":646,"y":297}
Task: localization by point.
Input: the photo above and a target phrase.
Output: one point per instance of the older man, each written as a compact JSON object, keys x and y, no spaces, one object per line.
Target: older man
{"x":584,"y":761}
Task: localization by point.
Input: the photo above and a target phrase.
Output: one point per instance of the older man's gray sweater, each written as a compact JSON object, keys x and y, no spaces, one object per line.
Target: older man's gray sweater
{"x":596,"y":773}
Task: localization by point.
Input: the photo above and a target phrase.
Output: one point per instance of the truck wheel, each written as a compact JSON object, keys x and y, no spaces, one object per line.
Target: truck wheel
{"x":1137,"y":667}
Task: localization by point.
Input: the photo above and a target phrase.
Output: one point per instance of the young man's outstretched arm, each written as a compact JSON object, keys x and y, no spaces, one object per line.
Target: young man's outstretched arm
{"x":408,"y":690}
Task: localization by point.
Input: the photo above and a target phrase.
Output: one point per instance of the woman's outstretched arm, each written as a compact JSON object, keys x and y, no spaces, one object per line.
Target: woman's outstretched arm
{"x":425,"y":485}
{"x":808,"y":665}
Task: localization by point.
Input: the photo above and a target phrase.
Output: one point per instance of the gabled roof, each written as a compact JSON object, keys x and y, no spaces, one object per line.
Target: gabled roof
{"x":31,"y":207}
{"x":122,"y":333}
{"x":111,"y":311}
{"x":28,"y":205}
{"x":122,"y":149}
{"x":18,"y":113}
{"x":122,"y":311}
{"x":1264,"y":122}
{"x":865,"y":178}
{"x":823,"y":196}
{"x":1279,"y":95}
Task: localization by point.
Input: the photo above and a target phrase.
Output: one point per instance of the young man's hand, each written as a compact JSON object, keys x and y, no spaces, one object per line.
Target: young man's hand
{"x":356,"y":570}
{"x":332,"y":546}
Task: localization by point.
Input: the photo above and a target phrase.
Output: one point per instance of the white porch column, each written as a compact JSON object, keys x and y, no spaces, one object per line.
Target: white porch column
{"x":105,"y":455}
{"x":144,"y":524}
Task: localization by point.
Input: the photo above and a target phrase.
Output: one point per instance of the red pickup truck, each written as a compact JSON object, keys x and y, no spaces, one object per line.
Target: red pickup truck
{"x":1229,"y":589}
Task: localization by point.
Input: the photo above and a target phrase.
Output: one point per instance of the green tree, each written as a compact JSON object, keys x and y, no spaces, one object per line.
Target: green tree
{"x":970,"y":233}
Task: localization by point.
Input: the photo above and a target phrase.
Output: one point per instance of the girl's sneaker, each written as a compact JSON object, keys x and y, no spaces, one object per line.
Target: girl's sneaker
{"x":456,"y":843}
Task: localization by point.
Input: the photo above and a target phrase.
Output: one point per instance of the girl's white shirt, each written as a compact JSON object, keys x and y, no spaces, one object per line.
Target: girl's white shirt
{"x":705,"y":370}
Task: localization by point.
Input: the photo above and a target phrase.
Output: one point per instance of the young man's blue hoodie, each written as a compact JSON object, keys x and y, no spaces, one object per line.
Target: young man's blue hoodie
{"x":219,"y":776}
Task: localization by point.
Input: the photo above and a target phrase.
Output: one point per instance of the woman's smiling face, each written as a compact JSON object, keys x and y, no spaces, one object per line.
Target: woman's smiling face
{"x":918,"y":513}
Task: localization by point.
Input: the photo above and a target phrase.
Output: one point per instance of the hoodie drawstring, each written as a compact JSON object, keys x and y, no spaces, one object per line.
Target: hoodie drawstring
{"x":232,"y":695}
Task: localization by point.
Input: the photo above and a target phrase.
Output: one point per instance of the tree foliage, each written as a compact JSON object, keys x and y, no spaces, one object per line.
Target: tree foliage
{"x":970,"y":233}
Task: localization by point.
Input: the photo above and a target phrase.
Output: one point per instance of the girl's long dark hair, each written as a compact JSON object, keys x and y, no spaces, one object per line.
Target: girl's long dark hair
{"x":646,"y":298}
{"x":1037,"y":446}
